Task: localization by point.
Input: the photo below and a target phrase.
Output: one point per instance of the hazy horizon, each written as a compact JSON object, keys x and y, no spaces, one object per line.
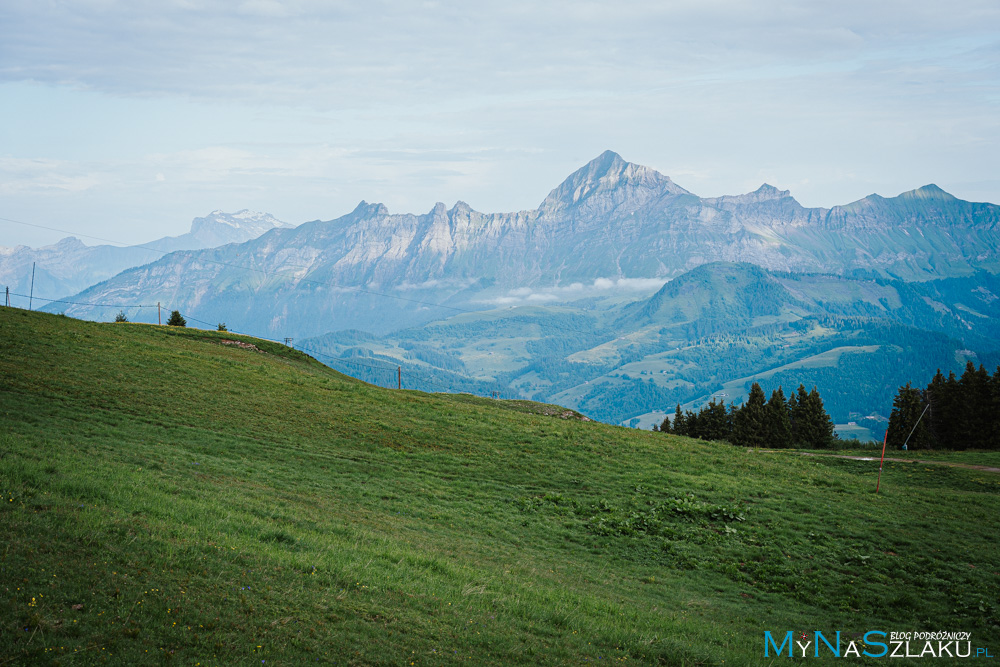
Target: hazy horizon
{"x":128,"y":120}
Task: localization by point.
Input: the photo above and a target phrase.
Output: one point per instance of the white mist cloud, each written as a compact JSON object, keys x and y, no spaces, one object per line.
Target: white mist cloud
{"x":573,"y":291}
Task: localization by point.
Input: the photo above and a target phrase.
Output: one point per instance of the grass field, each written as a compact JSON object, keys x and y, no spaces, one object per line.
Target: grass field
{"x":173,"y":498}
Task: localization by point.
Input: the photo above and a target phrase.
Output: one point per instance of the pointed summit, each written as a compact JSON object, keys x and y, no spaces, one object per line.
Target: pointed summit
{"x":764,"y":193}
{"x":929,"y":191}
{"x":366,"y":210}
{"x":605,"y":173}
{"x":768,"y":191}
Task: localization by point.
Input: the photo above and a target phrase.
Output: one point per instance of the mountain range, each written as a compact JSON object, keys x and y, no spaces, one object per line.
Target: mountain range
{"x":708,"y":333}
{"x":611,"y":219}
{"x":621,"y":295}
{"x":69,"y":266}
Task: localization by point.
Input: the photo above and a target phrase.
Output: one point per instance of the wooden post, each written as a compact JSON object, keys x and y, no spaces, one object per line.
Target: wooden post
{"x":8,"y":296}
{"x":31,"y":294}
{"x":399,"y":376}
{"x":159,"y":320}
{"x":884,"y":440}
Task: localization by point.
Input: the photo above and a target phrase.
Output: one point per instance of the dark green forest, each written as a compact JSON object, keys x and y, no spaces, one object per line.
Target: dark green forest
{"x":799,"y":421}
{"x":950,"y":413}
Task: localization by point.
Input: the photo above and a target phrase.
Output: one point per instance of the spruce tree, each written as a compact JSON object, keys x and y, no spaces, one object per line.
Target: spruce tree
{"x":665,"y":425}
{"x":692,"y":424}
{"x":749,"y":423}
{"x":713,"y":421}
{"x":906,"y":410}
{"x":798,"y":407}
{"x":974,"y":389}
{"x":176,"y":320}
{"x":994,"y":442}
{"x":820,"y":424}
{"x":940,"y":417}
{"x":679,"y":426}
{"x":778,"y":422}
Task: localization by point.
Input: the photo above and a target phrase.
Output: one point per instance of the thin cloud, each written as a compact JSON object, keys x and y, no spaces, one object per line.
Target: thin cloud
{"x":304,"y":107}
{"x":577,"y":290}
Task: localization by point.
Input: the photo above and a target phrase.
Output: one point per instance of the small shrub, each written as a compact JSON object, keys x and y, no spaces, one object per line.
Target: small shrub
{"x":120,"y":317}
{"x":222,"y":326}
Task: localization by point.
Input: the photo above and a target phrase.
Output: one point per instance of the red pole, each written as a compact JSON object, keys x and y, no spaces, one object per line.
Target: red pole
{"x":884,"y":440}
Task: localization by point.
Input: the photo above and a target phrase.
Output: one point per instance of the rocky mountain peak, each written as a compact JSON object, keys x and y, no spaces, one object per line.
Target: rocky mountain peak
{"x":244,"y":219}
{"x":69,"y":243}
{"x":929,"y":191}
{"x":764,"y":193}
{"x":767,"y":191}
{"x":606,"y":173}
{"x":218,"y":227}
{"x":366,"y":210}
{"x":460,"y":208}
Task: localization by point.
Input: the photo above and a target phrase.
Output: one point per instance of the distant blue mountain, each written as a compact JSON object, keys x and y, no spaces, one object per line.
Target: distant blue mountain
{"x":609,"y":219}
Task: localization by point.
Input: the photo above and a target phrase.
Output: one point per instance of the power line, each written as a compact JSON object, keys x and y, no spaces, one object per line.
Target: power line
{"x":317,"y":353}
{"x":81,"y":303}
{"x":358,"y":289}
{"x":251,"y":268}
{"x":307,"y":350}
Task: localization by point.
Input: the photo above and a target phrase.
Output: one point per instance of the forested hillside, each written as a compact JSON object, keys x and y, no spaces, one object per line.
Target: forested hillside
{"x":711,"y":332}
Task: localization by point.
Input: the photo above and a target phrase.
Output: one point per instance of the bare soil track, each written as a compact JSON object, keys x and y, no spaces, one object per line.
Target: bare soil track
{"x":876,"y":458}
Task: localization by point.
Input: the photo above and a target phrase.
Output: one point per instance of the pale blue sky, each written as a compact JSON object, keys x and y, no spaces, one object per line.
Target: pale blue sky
{"x":128,"y":119}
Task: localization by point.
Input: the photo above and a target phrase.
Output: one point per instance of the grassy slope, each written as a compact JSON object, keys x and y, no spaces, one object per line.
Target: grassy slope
{"x":169,"y":498}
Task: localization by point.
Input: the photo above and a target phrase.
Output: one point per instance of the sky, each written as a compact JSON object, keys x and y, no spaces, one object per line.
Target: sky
{"x":126,"y":120}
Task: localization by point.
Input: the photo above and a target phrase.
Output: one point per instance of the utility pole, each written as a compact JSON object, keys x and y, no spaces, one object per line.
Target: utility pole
{"x":31,"y":294}
{"x":399,"y":376}
{"x":159,"y":320}
{"x":8,"y":296}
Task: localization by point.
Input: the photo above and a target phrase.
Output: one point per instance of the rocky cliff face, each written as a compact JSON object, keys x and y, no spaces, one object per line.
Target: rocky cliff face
{"x":609,"y":219}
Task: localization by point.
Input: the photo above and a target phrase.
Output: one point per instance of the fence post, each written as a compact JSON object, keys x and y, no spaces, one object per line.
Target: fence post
{"x":31,"y":294}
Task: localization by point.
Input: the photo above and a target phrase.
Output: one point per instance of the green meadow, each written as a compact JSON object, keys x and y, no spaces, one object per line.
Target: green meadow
{"x":172,"y":497}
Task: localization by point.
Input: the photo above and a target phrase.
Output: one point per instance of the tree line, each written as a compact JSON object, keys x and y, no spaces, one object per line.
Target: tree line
{"x":951,"y":413}
{"x":799,"y":421}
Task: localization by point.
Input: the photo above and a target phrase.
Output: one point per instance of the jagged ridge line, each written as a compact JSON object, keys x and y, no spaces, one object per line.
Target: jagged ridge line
{"x":266,"y":274}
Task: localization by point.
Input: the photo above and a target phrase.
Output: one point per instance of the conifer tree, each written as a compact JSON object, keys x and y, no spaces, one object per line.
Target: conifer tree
{"x":820,"y":424}
{"x":749,"y":423}
{"x":994,"y":442}
{"x":797,"y":410}
{"x":778,"y":422}
{"x":680,"y":425}
{"x":906,"y":410}
{"x":713,"y":421}
{"x":974,"y":424}
{"x":176,"y":320}
{"x":943,"y":415}
{"x":665,"y":425}
{"x":692,"y":424}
